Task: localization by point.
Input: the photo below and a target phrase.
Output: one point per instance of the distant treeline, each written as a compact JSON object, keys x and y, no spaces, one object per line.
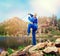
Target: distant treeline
{"x":8,"y":29}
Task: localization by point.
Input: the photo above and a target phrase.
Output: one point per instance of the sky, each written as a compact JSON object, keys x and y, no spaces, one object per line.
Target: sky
{"x":21,"y":8}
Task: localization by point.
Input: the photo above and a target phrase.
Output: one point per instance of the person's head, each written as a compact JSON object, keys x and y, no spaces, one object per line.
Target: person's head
{"x":35,"y":14}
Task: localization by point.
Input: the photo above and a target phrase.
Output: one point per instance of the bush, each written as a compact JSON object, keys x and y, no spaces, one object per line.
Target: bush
{"x":21,"y":48}
{"x":10,"y":51}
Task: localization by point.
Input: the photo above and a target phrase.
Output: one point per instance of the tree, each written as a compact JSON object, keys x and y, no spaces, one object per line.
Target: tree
{"x":2,"y":29}
{"x":54,"y":20}
{"x":58,"y":24}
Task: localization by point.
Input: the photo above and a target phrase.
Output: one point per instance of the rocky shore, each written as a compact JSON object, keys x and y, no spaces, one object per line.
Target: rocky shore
{"x":46,"y":48}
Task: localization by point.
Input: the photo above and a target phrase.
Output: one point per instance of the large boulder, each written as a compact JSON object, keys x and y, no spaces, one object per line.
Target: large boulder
{"x":4,"y":53}
{"x":37,"y":47}
{"x":27,"y":48}
{"x":50,"y":49}
{"x":19,"y":53}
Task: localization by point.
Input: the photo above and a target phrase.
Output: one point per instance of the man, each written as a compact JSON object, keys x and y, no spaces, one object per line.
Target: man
{"x":34,"y":26}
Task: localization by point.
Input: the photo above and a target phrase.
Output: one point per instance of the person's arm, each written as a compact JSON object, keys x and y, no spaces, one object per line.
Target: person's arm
{"x":31,"y":15}
{"x":31,"y":19}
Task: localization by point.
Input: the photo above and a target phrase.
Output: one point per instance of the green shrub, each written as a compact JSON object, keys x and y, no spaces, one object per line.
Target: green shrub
{"x":10,"y":51}
{"x":21,"y":47}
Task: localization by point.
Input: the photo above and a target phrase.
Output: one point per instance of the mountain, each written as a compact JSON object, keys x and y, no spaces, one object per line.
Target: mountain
{"x":15,"y":26}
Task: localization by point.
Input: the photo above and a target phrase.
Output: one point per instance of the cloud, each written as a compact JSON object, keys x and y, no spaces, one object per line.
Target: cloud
{"x":45,"y":7}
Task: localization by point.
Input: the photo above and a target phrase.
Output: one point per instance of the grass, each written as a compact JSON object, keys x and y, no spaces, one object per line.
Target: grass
{"x":49,"y":55}
{"x":10,"y":51}
{"x":55,"y":32}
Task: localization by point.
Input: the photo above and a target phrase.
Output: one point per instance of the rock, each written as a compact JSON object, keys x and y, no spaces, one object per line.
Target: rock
{"x":57,"y":42}
{"x":19,"y":53}
{"x":4,"y":53}
{"x":27,"y":48}
{"x":0,"y":55}
{"x":50,"y":44}
{"x":50,"y":49}
{"x":36,"y":47}
{"x":22,"y":53}
{"x":59,"y":50}
{"x":37,"y":54}
{"x":14,"y":54}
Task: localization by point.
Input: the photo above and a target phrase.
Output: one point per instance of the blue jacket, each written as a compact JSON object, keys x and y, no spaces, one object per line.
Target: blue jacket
{"x":32,"y":19}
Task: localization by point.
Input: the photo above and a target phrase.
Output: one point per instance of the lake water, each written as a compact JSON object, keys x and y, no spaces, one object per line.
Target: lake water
{"x":13,"y":41}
